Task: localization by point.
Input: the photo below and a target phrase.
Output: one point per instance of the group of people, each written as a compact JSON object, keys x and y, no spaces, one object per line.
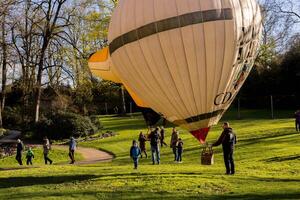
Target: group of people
{"x":157,"y":141}
{"x":30,"y":154}
{"x":157,"y":136}
{"x":46,"y":151}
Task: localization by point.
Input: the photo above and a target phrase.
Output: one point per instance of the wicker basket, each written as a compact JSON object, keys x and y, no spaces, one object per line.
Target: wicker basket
{"x":207,"y":156}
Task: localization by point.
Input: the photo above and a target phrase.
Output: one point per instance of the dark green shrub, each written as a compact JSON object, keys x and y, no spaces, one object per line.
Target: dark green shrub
{"x":2,"y":132}
{"x":64,"y":125}
{"x":96,"y":121}
{"x":12,"y":117}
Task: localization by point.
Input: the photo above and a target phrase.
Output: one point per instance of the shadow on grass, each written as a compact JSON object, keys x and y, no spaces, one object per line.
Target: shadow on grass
{"x":282,"y":158}
{"x":146,"y":195}
{"x":272,"y":179}
{"x":30,"y":181}
{"x":46,"y":180}
{"x":262,"y":138}
{"x":101,"y":195}
{"x":268,"y":196}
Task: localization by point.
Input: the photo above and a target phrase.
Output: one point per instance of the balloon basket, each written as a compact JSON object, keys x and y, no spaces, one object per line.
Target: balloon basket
{"x":207,"y":156}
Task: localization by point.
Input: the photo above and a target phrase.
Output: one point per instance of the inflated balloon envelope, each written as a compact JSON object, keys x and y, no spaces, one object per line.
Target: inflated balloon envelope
{"x":185,"y":59}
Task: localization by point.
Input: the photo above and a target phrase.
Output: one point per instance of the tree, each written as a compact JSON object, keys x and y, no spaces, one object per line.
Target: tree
{"x":36,"y":38}
{"x":290,"y":70}
{"x":279,"y":20}
{"x":4,"y":12}
{"x":278,"y":23}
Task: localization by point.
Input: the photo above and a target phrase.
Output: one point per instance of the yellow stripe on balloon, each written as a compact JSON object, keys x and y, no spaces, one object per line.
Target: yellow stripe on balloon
{"x":100,"y":56}
{"x":100,"y":65}
{"x":136,"y":99}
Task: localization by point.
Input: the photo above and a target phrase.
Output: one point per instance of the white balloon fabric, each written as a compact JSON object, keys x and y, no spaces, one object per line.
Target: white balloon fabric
{"x":186,"y":59}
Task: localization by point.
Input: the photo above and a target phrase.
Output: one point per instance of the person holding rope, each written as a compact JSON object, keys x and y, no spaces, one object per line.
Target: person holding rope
{"x":228,"y":140}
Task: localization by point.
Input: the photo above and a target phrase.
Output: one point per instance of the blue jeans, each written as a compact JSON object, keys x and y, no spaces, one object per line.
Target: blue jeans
{"x":19,"y":158}
{"x":29,"y":160}
{"x":229,"y":161}
{"x":155,"y":154}
{"x":179,"y":155}
{"x":174,"y":152}
{"x":47,"y":159}
{"x":135,"y":162}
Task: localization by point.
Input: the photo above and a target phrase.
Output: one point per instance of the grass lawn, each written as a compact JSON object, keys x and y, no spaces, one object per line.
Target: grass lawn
{"x":59,"y":156}
{"x":267,"y":158}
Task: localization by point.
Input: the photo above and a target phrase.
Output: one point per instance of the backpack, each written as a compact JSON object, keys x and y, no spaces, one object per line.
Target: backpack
{"x":154,"y":138}
{"x":230,"y":137}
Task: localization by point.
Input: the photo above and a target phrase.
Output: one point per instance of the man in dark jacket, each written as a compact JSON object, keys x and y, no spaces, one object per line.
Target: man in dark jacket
{"x":19,"y":151}
{"x":154,"y":142}
{"x":228,"y":140}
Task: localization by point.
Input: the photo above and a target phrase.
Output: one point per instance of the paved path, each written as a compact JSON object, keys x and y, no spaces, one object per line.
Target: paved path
{"x":11,"y":136}
{"x":90,"y":155}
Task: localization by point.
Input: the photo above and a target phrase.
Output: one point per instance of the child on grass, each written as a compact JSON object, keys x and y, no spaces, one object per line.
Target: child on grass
{"x":142,"y":140}
{"x":29,"y":156}
{"x":135,"y":152}
{"x":179,"y":150}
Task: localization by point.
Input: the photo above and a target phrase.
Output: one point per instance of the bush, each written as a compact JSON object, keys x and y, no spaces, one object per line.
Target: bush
{"x":12,"y":117}
{"x":2,"y":132}
{"x":64,"y":125}
{"x":96,"y":121}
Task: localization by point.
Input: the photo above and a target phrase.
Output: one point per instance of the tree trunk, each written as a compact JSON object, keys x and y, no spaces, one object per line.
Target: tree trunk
{"x":4,"y":73}
{"x":1,"y":124}
{"x":38,"y":93}
{"x":123,"y":100}
{"x":4,"y":63}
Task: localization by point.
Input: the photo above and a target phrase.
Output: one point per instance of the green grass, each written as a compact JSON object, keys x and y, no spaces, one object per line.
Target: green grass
{"x":59,"y":156}
{"x":267,"y":158}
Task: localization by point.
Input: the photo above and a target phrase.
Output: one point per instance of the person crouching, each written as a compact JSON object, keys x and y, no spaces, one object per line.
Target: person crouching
{"x":135,"y":152}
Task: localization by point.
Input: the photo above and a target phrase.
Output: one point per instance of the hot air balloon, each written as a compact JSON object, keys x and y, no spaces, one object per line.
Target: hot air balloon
{"x":186,"y":60}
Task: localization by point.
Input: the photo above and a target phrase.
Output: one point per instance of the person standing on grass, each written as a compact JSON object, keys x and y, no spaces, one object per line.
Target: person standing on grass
{"x":174,"y":140}
{"x":29,"y":156}
{"x":135,"y":152}
{"x":179,"y":150}
{"x":46,"y":149}
{"x":162,"y":136}
{"x":297,"y":120}
{"x":142,"y":140}
{"x":20,"y":148}
{"x":154,"y":142}
{"x":72,"y":148}
{"x":228,"y":140}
